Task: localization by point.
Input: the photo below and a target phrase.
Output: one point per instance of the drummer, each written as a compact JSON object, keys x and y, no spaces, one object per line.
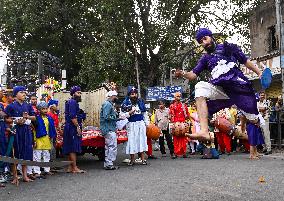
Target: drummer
{"x":179,"y":113}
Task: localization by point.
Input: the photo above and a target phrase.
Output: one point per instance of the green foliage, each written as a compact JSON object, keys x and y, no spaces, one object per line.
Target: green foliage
{"x":97,"y":40}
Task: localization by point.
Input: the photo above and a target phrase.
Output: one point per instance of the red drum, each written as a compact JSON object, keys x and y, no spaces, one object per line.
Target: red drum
{"x":180,"y":128}
{"x":224,"y":125}
{"x":153,"y":132}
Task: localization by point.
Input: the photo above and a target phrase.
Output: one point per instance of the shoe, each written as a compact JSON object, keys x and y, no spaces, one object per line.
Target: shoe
{"x":268,"y":153}
{"x":264,"y":151}
{"x":112,"y":167}
{"x":152,"y":157}
{"x":8,"y":176}
{"x":173,"y":156}
{"x":2,"y":179}
{"x":192,"y":153}
{"x":138,"y":160}
{"x":127,"y":160}
{"x":131,"y":163}
{"x":144,"y":162}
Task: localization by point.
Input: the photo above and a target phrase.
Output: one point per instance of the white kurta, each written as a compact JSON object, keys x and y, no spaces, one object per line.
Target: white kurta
{"x":136,"y":133}
{"x":137,"y":140}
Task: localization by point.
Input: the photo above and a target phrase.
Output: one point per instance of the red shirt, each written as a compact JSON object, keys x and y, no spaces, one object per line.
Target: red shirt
{"x":178,"y":112}
{"x":54,"y":116}
{"x":35,"y":109}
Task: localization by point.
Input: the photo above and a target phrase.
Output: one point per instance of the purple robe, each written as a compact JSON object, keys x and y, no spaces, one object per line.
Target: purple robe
{"x":3,"y":139}
{"x":23,"y":144}
{"x":254,"y":135}
{"x":223,"y":65}
{"x":71,"y":141}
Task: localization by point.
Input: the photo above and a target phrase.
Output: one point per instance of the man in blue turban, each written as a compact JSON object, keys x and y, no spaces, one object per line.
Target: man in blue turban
{"x":227,"y":86}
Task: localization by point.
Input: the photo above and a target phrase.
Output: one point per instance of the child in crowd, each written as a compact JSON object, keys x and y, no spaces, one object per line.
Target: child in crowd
{"x":45,"y":132}
{"x":195,"y":128}
{"x":53,"y":113}
{"x":22,"y":114}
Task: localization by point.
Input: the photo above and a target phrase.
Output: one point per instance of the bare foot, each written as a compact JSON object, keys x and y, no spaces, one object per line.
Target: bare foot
{"x":201,"y":136}
{"x":253,"y":157}
{"x":15,"y":181}
{"x":27,"y":179}
{"x":69,"y":169}
{"x":78,"y":171}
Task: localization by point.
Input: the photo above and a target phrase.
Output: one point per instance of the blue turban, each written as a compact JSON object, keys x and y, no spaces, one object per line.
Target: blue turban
{"x":52,"y":102}
{"x":74,"y":89}
{"x":41,"y":105}
{"x":201,"y":33}
{"x":132,"y":90}
{"x":18,"y":89}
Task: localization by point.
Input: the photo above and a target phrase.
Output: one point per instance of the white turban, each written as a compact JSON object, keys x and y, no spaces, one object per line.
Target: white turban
{"x":111,"y":93}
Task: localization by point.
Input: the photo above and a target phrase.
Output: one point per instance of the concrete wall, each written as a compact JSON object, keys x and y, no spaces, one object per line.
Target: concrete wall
{"x":260,"y":20}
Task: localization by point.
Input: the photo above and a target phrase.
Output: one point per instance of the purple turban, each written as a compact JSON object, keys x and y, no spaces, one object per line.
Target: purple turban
{"x":132,"y":90}
{"x":201,"y":33}
{"x":74,"y":89}
{"x":18,"y":89}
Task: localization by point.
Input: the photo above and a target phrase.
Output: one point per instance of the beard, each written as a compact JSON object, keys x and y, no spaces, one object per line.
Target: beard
{"x":134,"y":99}
{"x":210,"y":48}
{"x":78,"y":98}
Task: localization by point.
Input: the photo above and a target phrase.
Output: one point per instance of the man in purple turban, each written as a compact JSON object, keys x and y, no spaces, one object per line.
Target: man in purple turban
{"x":72,"y":139}
{"x":227,"y":86}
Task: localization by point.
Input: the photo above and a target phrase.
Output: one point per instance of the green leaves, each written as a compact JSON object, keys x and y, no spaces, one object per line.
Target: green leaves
{"x":97,"y":39}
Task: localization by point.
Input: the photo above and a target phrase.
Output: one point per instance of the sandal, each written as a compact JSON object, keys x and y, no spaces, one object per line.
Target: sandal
{"x":111,"y":168}
{"x":131,"y":163}
{"x":28,"y":180}
{"x":79,"y":171}
{"x":144,"y":162}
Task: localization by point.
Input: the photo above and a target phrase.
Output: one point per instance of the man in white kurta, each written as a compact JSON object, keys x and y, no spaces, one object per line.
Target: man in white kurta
{"x":134,"y":109}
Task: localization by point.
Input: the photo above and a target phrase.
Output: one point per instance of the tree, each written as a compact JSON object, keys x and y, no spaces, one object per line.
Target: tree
{"x":97,"y":40}
{"x":156,"y":30}
{"x":60,"y":27}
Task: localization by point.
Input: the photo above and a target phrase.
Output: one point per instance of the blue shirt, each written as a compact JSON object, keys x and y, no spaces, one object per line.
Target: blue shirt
{"x":16,"y":109}
{"x":108,"y":117}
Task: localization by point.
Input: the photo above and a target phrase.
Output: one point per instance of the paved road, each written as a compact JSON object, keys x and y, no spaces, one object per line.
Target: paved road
{"x":229,"y":178}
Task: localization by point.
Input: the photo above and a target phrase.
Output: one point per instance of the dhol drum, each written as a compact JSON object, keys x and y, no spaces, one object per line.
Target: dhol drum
{"x":224,"y":125}
{"x":153,"y":132}
{"x":239,"y":134}
{"x":180,"y":128}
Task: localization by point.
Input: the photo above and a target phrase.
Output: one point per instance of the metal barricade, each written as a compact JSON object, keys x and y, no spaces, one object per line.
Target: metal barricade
{"x":276,"y":126}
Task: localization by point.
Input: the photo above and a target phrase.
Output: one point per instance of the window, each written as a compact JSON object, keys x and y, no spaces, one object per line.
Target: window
{"x":272,"y":40}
